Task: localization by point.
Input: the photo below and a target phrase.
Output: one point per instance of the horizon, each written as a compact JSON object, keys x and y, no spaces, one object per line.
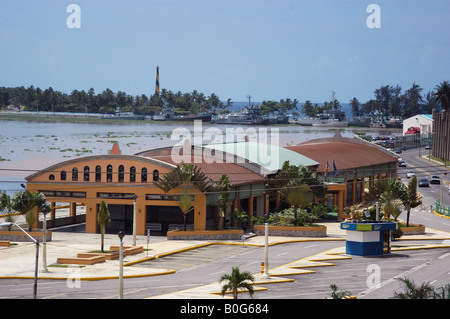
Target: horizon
{"x":268,"y":49}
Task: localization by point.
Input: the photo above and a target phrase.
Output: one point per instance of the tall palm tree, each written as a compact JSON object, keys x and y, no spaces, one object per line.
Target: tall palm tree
{"x":224,"y":187}
{"x":237,"y":280}
{"x":442,"y":94}
{"x":103,"y":219}
{"x":185,"y":204}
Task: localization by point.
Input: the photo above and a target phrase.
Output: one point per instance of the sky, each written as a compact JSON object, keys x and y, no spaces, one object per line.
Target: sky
{"x":268,"y":49}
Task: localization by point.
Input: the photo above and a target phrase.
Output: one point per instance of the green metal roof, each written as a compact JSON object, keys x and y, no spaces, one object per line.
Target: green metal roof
{"x":268,"y":156}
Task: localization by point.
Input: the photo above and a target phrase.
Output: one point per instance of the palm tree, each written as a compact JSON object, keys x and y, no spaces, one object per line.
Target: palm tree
{"x":185,"y":204}
{"x":412,"y":291}
{"x":237,"y":280}
{"x":103,"y":219}
{"x":442,"y":94}
{"x":390,"y":193}
{"x":224,"y":187}
{"x":335,"y":294}
{"x":410,"y":197}
{"x":186,"y":173}
{"x":297,"y":196}
{"x":23,"y":202}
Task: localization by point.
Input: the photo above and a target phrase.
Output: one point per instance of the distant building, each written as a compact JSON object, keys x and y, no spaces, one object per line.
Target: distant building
{"x":422,"y":123}
{"x":441,"y":135}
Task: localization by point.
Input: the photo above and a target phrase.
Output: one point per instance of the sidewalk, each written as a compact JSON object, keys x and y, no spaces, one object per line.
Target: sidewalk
{"x":18,"y":260}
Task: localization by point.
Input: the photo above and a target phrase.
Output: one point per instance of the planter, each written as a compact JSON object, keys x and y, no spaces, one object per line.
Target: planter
{"x":413,"y":230}
{"x":228,"y":234}
{"x":292,"y":231}
{"x":20,"y":236}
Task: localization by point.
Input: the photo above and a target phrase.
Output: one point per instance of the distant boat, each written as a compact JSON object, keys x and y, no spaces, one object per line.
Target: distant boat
{"x":331,"y":123}
{"x":250,"y":116}
{"x":169,"y":115}
{"x":124,"y":116}
{"x":360,"y":122}
{"x":325,"y":119}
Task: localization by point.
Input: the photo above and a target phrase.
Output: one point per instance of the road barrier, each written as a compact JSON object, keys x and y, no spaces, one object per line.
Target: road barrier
{"x":442,"y":292}
{"x":442,"y":209}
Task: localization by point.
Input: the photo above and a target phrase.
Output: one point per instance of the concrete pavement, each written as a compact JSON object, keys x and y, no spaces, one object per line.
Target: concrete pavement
{"x":18,"y":260}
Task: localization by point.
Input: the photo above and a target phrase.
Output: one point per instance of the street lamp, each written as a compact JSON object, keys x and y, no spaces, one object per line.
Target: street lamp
{"x":121,"y":234}
{"x":134,"y":219}
{"x":36,"y":241}
{"x":266,"y":247}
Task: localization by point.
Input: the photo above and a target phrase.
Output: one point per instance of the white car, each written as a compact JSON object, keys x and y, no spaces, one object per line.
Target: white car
{"x":410,"y":174}
{"x":435,"y":179}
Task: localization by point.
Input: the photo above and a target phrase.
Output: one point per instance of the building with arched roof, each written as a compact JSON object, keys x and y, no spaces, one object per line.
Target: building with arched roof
{"x":126,"y":182}
{"x":349,"y":165}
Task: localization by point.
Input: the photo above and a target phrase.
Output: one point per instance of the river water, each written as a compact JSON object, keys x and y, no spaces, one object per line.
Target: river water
{"x":26,"y":147}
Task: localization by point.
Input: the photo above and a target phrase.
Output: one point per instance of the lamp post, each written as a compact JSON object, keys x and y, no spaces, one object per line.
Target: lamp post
{"x":266,"y":248}
{"x":36,"y":241}
{"x":121,"y":234}
{"x":134,"y":219}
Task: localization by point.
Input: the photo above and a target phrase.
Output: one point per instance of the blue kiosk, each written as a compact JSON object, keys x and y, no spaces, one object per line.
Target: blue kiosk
{"x":368,"y":238}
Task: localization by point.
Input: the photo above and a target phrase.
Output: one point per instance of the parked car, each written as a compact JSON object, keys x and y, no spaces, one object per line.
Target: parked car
{"x":410,"y":174}
{"x":401,"y":163}
{"x":428,"y":147}
{"x":435,"y":179}
{"x":398,"y":150}
{"x":423,"y":182}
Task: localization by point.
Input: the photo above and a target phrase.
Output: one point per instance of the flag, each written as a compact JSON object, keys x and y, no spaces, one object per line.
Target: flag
{"x":336,"y":172}
{"x":327,"y":173}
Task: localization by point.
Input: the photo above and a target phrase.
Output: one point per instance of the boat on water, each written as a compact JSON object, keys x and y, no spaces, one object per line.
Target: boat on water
{"x":330,"y":123}
{"x":123,"y":116}
{"x":329,"y":118}
{"x":360,"y":122}
{"x":250,"y":116}
{"x":169,"y":115}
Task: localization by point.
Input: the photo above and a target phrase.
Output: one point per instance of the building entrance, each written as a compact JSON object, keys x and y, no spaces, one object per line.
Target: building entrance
{"x":160,"y":219}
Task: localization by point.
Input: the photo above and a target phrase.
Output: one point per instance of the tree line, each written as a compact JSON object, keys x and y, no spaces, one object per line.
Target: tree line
{"x":106,"y":102}
{"x":389,"y":101}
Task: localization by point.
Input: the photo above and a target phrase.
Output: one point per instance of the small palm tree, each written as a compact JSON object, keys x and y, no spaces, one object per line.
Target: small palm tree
{"x":297,"y":196}
{"x":103,"y":219}
{"x":412,"y":291}
{"x":237,"y":280}
{"x":335,"y":294}
{"x":24,"y":202}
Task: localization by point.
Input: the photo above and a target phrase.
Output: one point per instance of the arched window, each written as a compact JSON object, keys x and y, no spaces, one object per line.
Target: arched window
{"x":155,"y":175}
{"x":121,"y":173}
{"x":51,"y":177}
{"x":98,"y":173}
{"x":109,"y":173}
{"x":144,"y":175}
{"x":132,"y":174}
{"x":63,"y":175}
{"x":86,"y":173}
{"x":75,"y":174}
